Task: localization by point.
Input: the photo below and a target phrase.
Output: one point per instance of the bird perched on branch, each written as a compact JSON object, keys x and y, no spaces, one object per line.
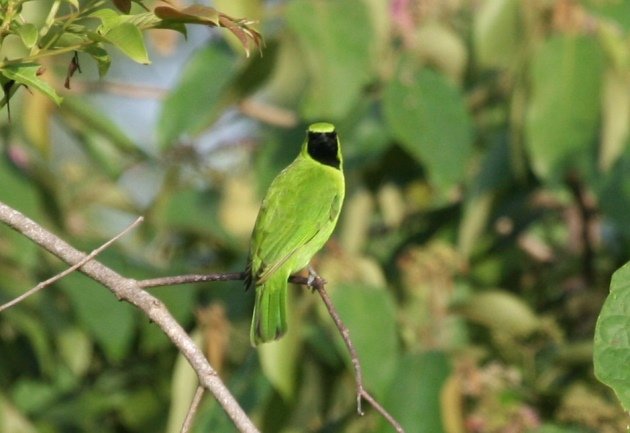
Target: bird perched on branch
{"x":296,"y":218}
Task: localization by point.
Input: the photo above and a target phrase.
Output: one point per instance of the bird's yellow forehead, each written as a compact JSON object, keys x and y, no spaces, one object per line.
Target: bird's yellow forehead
{"x":321,"y":127}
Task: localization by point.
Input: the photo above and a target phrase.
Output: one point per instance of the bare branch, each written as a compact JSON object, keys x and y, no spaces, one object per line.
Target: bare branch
{"x":128,"y":290}
{"x":71,"y":269}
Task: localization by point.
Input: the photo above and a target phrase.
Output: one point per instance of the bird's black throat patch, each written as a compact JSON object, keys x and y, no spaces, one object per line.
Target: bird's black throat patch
{"x":323,"y":148}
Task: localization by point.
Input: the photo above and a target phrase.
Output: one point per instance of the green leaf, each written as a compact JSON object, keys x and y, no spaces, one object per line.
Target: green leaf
{"x":493,"y":175}
{"x":612,"y":337}
{"x":109,"y":19}
{"x":128,"y":39}
{"x":109,"y":321}
{"x":28,"y":34}
{"x":428,"y":116}
{"x":12,"y":419}
{"x":616,"y":11}
{"x":414,"y":396}
{"x":27,"y":324}
{"x":75,"y":348}
{"x":615,"y":116}
{"x":336,"y":39}
{"x":370,"y":315}
{"x":199,"y":97}
{"x":564,"y":111}
{"x":101,"y":57}
{"x":496,"y":32}
{"x":28,"y":75}
{"x":501,"y":312}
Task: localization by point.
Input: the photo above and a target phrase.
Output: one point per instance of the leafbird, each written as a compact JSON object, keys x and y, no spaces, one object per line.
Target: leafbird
{"x":296,"y":218}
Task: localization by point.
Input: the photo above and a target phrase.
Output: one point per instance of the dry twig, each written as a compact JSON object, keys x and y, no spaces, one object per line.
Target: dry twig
{"x":71,"y":269}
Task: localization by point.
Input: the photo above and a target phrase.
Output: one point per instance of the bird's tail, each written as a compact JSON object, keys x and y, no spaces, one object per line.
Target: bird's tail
{"x":270,"y":311}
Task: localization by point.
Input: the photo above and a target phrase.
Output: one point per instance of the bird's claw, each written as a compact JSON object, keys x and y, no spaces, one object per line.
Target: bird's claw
{"x":312,"y":276}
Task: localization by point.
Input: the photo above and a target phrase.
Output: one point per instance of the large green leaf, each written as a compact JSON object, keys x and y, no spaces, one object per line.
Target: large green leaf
{"x":428,"y":116}
{"x":196,"y":101}
{"x":611,"y":355}
{"x":564,"y":111}
{"x":336,"y":39}
{"x":414,"y":397}
{"x":370,"y":315}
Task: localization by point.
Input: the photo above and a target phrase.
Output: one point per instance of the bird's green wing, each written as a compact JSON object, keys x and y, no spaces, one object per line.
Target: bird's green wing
{"x":293,"y":214}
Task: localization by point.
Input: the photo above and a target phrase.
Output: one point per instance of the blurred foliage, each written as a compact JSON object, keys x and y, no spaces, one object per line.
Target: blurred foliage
{"x":487,"y":207}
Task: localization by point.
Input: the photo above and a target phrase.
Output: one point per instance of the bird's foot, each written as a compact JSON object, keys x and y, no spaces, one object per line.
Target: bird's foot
{"x":312,"y":276}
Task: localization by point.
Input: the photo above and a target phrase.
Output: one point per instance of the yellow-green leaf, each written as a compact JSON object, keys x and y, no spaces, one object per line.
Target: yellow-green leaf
{"x":28,"y":34}
{"x":615,"y":117}
{"x":128,"y":39}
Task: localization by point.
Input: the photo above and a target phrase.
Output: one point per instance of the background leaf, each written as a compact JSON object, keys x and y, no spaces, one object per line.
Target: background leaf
{"x":612,"y":337}
{"x":564,"y":112}
{"x":335,"y":38}
{"x":440,"y":139}
{"x":376,"y":343}
{"x":414,"y":399}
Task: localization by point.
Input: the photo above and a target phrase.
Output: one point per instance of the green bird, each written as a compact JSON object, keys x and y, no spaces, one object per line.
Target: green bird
{"x":296,"y":218}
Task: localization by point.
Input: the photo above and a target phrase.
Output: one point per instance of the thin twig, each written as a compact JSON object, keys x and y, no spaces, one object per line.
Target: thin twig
{"x":192,"y":410}
{"x":128,"y":290}
{"x":318,"y":284}
{"x":202,"y":278}
{"x":71,"y":269}
{"x":194,"y":278}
